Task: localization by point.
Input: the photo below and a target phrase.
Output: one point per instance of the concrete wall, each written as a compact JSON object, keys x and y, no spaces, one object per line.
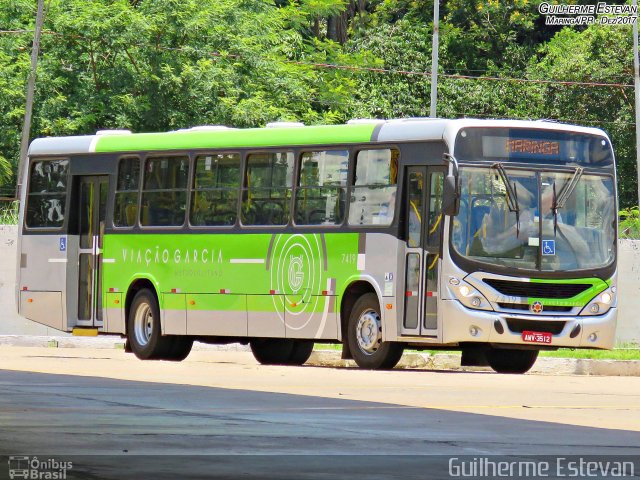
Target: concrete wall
{"x":11,"y":324}
{"x":628,"y":291}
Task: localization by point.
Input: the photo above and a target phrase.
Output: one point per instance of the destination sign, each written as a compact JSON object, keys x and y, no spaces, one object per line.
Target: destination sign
{"x":527,"y":145}
{"x":509,"y":147}
{"x":537,"y":147}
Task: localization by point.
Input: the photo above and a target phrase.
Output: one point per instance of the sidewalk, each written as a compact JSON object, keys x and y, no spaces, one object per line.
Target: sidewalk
{"x":331,"y":358}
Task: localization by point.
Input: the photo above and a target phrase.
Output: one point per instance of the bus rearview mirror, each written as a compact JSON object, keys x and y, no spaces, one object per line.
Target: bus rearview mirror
{"x":450,"y":197}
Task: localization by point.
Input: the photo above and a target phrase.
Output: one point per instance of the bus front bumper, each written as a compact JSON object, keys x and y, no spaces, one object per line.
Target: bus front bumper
{"x":461,"y":324}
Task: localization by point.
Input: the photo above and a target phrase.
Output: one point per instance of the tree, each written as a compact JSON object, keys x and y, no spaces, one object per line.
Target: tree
{"x":598,"y":54}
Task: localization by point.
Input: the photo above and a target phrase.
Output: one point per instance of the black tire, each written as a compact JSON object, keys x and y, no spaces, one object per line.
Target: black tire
{"x":272,"y":351}
{"x":180,"y":349}
{"x":504,"y":360}
{"x":376,"y":354}
{"x":301,"y":352}
{"x":144,"y":330}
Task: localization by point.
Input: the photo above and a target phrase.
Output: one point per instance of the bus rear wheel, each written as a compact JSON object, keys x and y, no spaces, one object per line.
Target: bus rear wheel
{"x":271,"y":351}
{"x":143,"y":328}
{"x":301,"y":352}
{"x":180,"y":349}
{"x":504,"y":360}
{"x":281,"y":351}
{"x":364,"y":334}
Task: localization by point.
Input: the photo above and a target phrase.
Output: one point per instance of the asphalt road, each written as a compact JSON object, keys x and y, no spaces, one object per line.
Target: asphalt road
{"x":345,"y":423}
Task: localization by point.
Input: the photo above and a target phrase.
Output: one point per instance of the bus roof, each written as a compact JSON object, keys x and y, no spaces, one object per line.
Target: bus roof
{"x":361,"y":131}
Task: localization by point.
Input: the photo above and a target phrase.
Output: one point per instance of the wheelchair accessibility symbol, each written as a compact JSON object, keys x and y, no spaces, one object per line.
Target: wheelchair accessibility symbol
{"x":548,"y":247}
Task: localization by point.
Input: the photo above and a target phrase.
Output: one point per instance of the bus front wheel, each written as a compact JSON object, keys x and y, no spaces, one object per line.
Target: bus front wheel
{"x":143,"y":329}
{"x":504,"y":360}
{"x":364,"y":334}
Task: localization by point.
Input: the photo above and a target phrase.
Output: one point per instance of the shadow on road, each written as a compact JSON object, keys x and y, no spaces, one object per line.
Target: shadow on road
{"x":125,"y":429}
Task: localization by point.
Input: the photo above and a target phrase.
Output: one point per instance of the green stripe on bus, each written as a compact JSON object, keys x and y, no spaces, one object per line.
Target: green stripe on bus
{"x":237,"y":138}
{"x":284,"y":268}
{"x":580,"y":300}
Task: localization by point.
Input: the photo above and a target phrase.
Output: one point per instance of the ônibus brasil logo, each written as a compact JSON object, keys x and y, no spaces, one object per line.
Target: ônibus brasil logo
{"x":38,"y":469}
{"x":536,"y":307}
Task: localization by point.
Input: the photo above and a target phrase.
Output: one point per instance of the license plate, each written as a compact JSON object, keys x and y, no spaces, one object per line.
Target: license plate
{"x":536,"y":337}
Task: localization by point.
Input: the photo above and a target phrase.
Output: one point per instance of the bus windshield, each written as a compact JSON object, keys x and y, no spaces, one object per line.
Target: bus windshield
{"x":558,"y":221}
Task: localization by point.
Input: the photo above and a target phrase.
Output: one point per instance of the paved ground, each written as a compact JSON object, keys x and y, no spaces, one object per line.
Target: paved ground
{"x":65,"y":402}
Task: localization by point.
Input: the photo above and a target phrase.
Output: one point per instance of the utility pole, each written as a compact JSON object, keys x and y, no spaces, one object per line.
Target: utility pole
{"x":31,"y":83}
{"x":434,"y":57}
{"x":636,"y":71}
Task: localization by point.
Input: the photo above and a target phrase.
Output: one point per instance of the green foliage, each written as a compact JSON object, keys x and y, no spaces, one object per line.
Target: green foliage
{"x":629,"y":223}
{"x":9,"y":213}
{"x":6,"y":173}
{"x":491,"y":35}
{"x":157,"y":65}
{"x":597,"y":54}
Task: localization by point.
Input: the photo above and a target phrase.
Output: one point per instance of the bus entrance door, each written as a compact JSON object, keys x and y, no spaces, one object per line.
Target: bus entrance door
{"x":93,"y":192}
{"x":423,"y":209}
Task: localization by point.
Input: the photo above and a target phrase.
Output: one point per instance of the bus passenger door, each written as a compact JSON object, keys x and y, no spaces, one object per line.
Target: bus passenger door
{"x":424,"y":236}
{"x":93,"y":192}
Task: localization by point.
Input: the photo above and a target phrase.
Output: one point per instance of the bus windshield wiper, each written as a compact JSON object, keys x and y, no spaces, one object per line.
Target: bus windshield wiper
{"x":561,"y":198}
{"x":512,"y":194}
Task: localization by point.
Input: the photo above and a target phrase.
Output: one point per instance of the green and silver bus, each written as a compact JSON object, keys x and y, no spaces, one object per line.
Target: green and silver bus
{"x":496,"y":238}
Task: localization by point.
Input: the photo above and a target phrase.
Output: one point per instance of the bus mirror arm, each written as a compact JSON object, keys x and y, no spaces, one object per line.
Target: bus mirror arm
{"x":451,"y":190}
{"x":452,"y":160}
{"x":450,"y":196}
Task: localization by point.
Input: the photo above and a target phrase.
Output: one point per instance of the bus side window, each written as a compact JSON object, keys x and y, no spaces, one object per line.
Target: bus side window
{"x":46,"y":200}
{"x":125,"y":211}
{"x":214,"y":200}
{"x":164,"y":191}
{"x":267,"y":193}
{"x":373,"y":195}
{"x":321,"y":191}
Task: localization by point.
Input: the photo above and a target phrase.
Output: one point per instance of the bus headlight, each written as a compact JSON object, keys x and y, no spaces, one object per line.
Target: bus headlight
{"x":600,"y":304}
{"x":469,"y":296}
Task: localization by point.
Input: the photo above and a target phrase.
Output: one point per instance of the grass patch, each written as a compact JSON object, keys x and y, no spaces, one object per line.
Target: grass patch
{"x":623,"y":352}
{"x":9,"y":213}
{"x":616,"y":354}
{"x":629,"y":224}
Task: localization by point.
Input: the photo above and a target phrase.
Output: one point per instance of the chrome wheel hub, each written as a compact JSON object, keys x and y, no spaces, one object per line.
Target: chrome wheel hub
{"x":369,"y":331}
{"x":143,"y":324}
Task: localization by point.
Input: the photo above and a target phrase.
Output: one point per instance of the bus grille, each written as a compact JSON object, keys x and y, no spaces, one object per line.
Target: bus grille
{"x":547,"y":308}
{"x":537,"y":290}
{"x":517,"y":325}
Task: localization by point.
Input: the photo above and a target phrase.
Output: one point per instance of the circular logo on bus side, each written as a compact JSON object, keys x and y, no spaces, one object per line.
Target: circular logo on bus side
{"x":536,"y":307}
{"x":296,"y":272}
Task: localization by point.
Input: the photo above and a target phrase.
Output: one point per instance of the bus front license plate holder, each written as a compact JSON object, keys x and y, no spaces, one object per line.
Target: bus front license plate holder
{"x":536,"y":337}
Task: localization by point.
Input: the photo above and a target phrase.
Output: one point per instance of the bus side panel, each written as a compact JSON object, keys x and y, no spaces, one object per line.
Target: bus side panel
{"x":261,"y":285}
{"x":319,"y":322}
{"x":381,"y":263}
{"x":114,"y":312}
{"x":224,"y":314}
{"x":266,"y":316}
{"x":42,"y":279}
{"x":43,"y":307}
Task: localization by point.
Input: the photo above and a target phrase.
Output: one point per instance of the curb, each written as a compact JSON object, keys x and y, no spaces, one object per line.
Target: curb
{"x":450,"y":362}
{"x":332,"y":358}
